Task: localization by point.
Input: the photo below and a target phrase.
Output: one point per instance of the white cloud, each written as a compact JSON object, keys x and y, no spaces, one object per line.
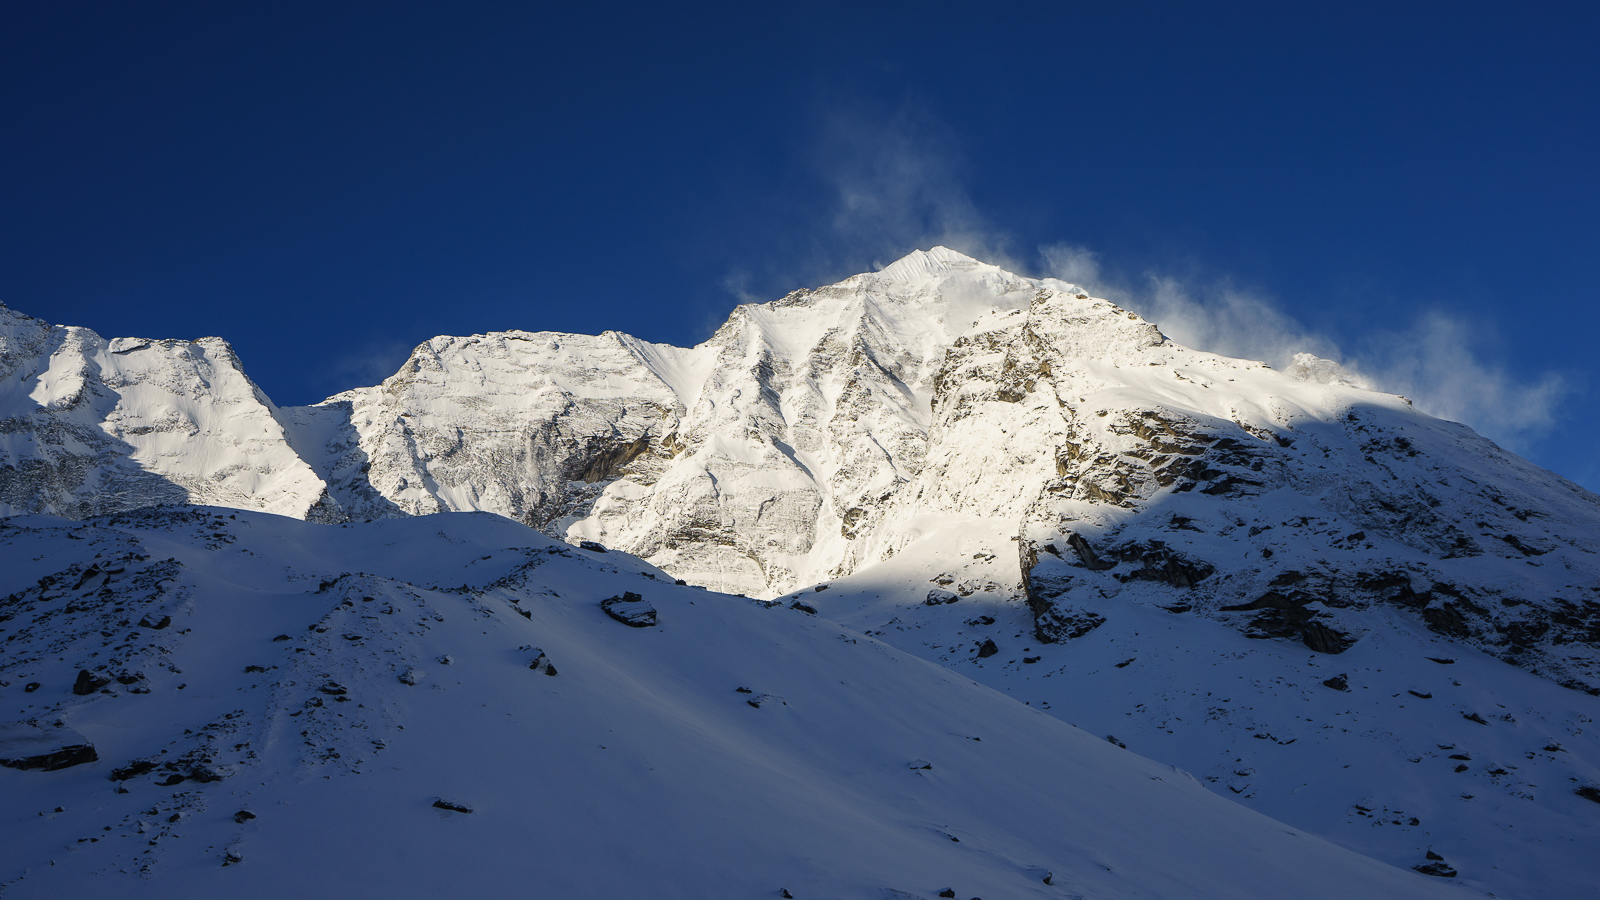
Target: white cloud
{"x":1439,"y":361}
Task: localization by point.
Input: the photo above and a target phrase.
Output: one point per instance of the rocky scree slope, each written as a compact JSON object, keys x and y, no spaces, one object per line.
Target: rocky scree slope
{"x":457,"y":705}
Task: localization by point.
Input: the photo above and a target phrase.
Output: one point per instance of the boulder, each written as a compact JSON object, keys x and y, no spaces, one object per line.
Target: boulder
{"x":630,"y":609}
{"x":25,"y":745}
{"x":937,"y":597}
{"x":88,"y":682}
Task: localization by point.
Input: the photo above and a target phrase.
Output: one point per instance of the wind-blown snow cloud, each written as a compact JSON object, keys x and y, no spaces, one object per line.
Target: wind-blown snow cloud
{"x":1438,"y":360}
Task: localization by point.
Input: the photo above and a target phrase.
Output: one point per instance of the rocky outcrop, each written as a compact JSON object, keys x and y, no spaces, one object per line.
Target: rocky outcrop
{"x":28,"y":745}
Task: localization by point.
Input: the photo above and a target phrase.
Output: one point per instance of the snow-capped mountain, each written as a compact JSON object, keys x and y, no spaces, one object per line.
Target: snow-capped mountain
{"x":204,"y":703}
{"x":992,"y":472}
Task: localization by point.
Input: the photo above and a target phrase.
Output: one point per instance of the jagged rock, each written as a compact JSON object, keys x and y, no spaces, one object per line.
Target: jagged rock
{"x":410,"y":676}
{"x":451,"y":805}
{"x":541,"y":663}
{"x":164,"y":621}
{"x":1086,"y":554}
{"x":26,"y":745}
{"x":804,"y":607}
{"x":630,"y":609}
{"x":917,"y":764}
{"x":591,"y":546}
{"x":988,"y":648}
{"x":1338,"y":683}
{"x":88,"y":682}
{"x":938,"y":597}
{"x":243,"y":816}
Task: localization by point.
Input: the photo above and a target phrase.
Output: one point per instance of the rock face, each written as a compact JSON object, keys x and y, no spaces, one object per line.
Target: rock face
{"x":834,"y":429}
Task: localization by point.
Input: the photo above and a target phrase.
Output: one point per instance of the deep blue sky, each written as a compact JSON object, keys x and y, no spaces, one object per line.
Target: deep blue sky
{"x":328,"y":184}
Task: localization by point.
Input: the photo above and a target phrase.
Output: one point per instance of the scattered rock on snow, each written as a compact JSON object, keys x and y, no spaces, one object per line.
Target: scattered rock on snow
{"x":630,"y":609}
{"x":451,"y":805}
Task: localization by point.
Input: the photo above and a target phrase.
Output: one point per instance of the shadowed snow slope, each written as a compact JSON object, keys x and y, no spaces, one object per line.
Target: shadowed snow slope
{"x":438,"y":706}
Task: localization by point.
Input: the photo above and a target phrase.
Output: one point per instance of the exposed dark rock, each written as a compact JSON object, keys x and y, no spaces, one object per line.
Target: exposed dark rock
{"x":158,"y":624}
{"x":231,"y":857}
{"x":1438,"y":868}
{"x":30,"y":687}
{"x":410,"y":676}
{"x":541,"y":663}
{"x":1112,"y":739}
{"x":333,"y":688}
{"x":1442,"y":662}
{"x":1323,"y":639}
{"x":204,"y":775}
{"x":806,"y":608}
{"x":591,"y":546}
{"x":760,"y":700}
{"x":25,"y":745}
{"x":1157,"y":562}
{"x":1445,"y":618}
{"x":988,"y":648}
{"x":243,"y":816}
{"x":1086,"y":554}
{"x":442,"y":803}
{"x":171,"y":780}
{"x":1474,"y":717}
{"x":1421,"y":696}
{"x":937,"y":597}
{"x":1588,"y":792}
{"x":919,"y":764}
{"x":132,"y":770}
{"x":281,"y":637}
{"x":1338,"y":683}
{"x":630,"y":609}
{"x":88,"y":682}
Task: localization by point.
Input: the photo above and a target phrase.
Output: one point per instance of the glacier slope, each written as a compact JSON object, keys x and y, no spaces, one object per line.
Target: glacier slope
{"x":319,"y":690}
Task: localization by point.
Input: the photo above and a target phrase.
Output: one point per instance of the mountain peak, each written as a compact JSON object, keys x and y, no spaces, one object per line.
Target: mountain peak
{"x":919,"y":265}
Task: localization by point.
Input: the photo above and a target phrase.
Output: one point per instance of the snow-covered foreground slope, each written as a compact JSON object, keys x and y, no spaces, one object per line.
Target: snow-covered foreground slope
{"x":440,"y":706}
{"x":1410,"y":742}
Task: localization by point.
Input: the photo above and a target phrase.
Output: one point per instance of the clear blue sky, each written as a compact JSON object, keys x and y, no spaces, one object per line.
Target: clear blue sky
{"x":328,"y":184}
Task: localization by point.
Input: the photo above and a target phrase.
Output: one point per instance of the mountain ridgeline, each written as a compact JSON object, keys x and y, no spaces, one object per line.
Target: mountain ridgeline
{"x":820,"y":433}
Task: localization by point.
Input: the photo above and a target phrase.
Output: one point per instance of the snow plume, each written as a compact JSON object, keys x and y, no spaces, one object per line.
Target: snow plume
{"x":1438,"y":361}
{"x":887,"y":182}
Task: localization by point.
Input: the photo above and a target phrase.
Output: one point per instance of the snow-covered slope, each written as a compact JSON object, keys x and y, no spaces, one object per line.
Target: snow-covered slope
{"x":89,"y":426}
{"x":441,"y":706}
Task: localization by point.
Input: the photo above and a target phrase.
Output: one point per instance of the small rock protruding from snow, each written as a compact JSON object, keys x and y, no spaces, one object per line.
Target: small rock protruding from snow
{"x":988,"y":648}
{"x":541,"y":663}
{"x":1337,"y":682}
{"x":451,"y":805}
{"x":938,"y":597}
{"x":918,"y":764}
{"x":630,"y":609}
{"x":410,"y":675}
